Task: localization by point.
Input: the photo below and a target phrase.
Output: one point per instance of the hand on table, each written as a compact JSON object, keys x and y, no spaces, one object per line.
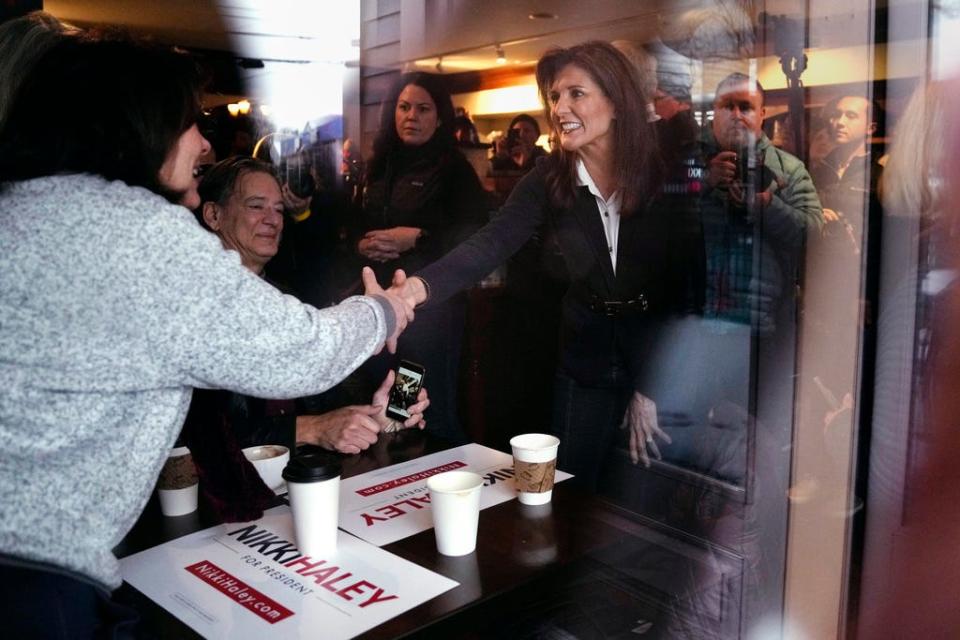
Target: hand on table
{"x":641,"y":419}
{"x":402,"y":308}
{"x":354,"y":428}
{"x":347,"y":429}
{"x":382,"y":245}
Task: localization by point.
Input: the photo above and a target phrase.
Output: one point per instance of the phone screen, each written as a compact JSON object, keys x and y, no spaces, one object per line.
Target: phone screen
{"x":404,"y":391}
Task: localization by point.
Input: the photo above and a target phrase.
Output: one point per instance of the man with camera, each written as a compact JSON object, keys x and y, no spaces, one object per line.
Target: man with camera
{"x":518,"y":150}
{"x":758,"y":202}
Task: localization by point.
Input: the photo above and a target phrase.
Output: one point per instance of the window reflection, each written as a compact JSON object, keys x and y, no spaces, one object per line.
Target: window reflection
{"x":794,"y":409}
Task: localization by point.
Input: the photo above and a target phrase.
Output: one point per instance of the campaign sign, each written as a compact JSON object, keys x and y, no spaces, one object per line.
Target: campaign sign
{"x":391,"y":503}
{"x":249,"y":580}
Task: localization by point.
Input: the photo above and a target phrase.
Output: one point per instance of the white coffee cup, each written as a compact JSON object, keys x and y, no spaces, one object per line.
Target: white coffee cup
{"x":178,"y":484}
{"x":269,"y":461}
{"x":313,"y":488}
{"x":455,"y":502}
{"x":534,"y":466}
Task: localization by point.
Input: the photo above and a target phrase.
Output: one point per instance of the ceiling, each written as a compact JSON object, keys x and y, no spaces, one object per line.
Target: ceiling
{"x":462,"y":35}
{"x":240,"y":41}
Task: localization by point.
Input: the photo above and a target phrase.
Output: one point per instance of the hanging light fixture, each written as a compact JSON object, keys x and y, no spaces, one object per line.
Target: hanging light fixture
{"x":501,"y":56}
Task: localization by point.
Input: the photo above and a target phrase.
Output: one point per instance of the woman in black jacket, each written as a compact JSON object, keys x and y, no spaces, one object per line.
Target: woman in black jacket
{"x":421,"y":198}
{"x":628,"y":269}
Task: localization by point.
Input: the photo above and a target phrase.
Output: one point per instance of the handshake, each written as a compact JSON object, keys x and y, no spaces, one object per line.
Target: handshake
{"x":403,"y":295}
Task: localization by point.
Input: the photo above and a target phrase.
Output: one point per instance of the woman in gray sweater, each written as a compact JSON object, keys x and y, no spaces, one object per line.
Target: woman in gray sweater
{"x":114,"y":305}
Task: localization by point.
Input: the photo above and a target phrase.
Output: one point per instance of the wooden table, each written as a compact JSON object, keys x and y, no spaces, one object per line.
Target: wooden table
{"x":564,"y":565}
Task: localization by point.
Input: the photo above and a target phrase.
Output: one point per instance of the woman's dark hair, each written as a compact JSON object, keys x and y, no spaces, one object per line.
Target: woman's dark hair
{"x":635,"y":147}
{"x":525,"y":117}
{"x":220,"y":181}
{"x":104,"y":104}
{"x":388,"y":143}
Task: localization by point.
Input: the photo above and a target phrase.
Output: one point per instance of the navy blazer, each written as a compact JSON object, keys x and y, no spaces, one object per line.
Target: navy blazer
{"x":653,"y":265}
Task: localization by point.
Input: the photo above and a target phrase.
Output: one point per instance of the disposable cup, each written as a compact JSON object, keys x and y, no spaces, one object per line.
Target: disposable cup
{"x":178,"y":483}
{"x":534,"y":466}
{"x":269,"y":460}
{"x":455,"y":501}
{"x":313,"y":488}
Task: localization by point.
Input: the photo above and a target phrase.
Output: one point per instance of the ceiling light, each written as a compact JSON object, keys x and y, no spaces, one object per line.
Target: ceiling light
{"x":501,"y":56}
{"x":542,"y":15}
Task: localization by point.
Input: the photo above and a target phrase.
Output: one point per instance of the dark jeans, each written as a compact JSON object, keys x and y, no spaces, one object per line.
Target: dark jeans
{"x":39,"y":604}
{"x":587,"y":420}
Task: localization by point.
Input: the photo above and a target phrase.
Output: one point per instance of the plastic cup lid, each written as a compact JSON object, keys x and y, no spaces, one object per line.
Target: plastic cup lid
{"x":312,"y":467}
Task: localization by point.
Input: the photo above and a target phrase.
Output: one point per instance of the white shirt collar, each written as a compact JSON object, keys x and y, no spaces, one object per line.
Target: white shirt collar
{"x":608,"y":210}
{"x":584,"y":180}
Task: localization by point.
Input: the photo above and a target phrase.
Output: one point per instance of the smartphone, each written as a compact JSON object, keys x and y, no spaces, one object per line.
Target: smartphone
{"x":406,"y":387}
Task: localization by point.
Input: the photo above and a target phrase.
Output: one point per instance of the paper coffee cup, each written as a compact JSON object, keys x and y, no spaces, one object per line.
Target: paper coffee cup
{"x":178,"y":483}
{"x":455,"y":502}
{"x":534,"y":466}
{"x":269,"y":460}
{"x":313,"y":488}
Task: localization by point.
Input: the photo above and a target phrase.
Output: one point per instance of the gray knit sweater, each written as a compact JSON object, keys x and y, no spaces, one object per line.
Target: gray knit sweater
{"x":113,"y":305}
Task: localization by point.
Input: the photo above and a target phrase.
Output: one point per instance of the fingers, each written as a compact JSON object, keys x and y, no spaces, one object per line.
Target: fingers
{"x":723,"y":168}
{"x":370,"y":284}
{"x":642,"y":450}
{"x":829,"y":215}
{"x":383,"y":391}
{"x":359,"y":432}
{"x":736,"y":193}
{"x":364,"y":410}
{"x":630,"y":423}
{"x":416,"y":413}
{"x":402,"y":309}
{"x":652,"y":427}
{"x":634,"y":447}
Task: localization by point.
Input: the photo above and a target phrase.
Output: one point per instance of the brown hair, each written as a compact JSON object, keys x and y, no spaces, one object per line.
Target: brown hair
{"x":135,"y":100}
{"x":634,"y":140}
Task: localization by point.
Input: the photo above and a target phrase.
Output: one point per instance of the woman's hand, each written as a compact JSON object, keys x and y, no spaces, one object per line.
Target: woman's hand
{"x":412,"y":290}
{"x":381,"y":398}
{"x":641,"y":419}
{"x":402,"y":309}
{"x":382,"y":245}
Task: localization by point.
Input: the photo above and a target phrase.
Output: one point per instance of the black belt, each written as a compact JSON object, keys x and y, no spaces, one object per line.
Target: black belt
{"x":615,"y":308}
